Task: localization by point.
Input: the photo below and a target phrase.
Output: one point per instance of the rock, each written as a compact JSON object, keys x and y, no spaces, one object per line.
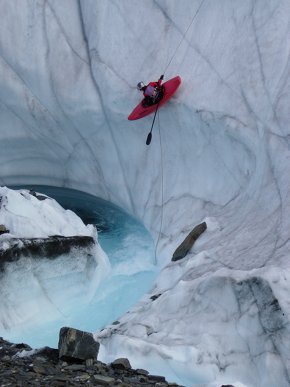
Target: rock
{"x":83,"y":377}
{"x":188,"y":242}
{"x":38,"y":196}
{"x":157,"y":378}
{"x":44,"y":368}
{"x":121,"y":363}
{"x":22,"y":346}
{"x":48,"y":353}
{"x":104,"y":380}
{"x":142,"y":379}
{"x":155,"y":296}
{"x":100,"y":368}
{"x":133,"y":380}
{"x":39,"y":369}
{"x":140,"y":371}
{"x":89,"y":362}
{"x":77,"y":344}
{"x":3,"y":229}
{"x":75,"y":367}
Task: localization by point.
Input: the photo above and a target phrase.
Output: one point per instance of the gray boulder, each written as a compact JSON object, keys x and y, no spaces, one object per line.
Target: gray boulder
{"x":121,"y":363}
{"x":77,"y":344}
{"x":188,"y":242}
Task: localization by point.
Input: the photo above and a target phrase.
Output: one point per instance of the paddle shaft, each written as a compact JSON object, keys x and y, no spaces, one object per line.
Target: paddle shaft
{"x":149,"y":137}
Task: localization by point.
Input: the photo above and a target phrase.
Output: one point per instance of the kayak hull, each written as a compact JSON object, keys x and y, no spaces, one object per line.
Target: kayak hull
{"x":169,"y":88}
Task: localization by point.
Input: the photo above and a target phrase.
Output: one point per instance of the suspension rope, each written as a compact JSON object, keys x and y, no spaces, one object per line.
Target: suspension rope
{"x":162,"y":191}
{"x":160,"y":139}
{"x":184,"y":35}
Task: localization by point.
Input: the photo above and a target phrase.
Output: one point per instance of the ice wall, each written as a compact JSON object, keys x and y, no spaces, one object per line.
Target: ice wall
{"x":220,"y":148}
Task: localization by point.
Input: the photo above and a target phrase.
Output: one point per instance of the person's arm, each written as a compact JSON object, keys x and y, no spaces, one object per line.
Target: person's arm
{"x":160,"y":80}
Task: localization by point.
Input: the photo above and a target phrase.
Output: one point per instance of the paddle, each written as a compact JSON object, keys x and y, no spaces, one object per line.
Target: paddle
{"x":149,"y":137}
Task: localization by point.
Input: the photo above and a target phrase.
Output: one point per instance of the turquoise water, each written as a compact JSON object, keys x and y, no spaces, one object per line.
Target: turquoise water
{"x":130,"y":250}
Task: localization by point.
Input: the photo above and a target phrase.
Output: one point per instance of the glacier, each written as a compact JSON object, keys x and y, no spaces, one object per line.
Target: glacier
{"x":220,"y":153}
{"x":74,"y":283}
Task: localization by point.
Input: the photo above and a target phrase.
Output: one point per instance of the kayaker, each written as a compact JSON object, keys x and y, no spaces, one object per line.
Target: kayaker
{"x":152,"y":91}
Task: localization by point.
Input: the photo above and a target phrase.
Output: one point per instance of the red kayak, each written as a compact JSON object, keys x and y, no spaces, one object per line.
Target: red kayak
{"x":169,"y":88}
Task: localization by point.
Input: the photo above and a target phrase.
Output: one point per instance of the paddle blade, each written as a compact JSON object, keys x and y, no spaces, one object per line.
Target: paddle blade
{"x":149,"y":138}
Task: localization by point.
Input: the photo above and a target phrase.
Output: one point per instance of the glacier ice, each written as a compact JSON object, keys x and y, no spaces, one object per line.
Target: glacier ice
{"x":84,"y":288}
{"x":220,"y":151}
{"x":37,"y":289}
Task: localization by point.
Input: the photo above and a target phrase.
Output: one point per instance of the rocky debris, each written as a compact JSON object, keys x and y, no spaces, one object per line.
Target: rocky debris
{"x":50,"y":247}
{"x":188,"y":242}
{"x":21,"y":366}
{"x":77,"y":344}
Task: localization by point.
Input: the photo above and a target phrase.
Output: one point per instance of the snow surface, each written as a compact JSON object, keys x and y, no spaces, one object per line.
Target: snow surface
{"x":25,"y":216}
{"x":220,"y":152}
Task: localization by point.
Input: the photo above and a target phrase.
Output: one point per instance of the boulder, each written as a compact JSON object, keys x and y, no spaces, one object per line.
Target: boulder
{"x":3,"y":229}
{"x":121,"y":364}
{"x":104,"y":380}
{"x":188,"y":242}
{"x":77,"y":344}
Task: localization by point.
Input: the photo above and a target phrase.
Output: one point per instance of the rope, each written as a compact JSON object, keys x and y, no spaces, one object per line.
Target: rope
{"x":160,"y":140}
{"x":183,"y":36}
{"x":162,"y":192}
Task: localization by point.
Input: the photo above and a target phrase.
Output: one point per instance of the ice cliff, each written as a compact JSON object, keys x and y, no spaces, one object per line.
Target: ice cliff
{"x":220,"y":153}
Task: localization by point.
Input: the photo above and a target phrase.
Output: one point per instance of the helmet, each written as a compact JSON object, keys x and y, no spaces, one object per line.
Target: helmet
{"x":140,"y":85}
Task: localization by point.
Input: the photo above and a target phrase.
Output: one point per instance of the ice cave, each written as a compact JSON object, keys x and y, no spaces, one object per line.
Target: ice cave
{"x":220,"y":154}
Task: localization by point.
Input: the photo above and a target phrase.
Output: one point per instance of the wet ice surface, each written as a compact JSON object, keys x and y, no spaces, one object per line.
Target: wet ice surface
{"x":44,"y":295}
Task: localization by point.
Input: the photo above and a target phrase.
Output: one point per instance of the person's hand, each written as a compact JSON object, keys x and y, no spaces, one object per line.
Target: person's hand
{"x":161,"y":77}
